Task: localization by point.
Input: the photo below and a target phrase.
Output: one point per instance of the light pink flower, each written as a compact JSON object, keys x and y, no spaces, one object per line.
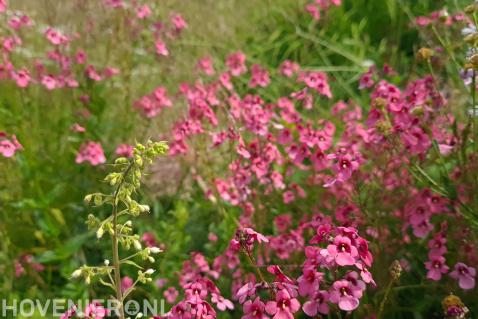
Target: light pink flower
{"x":345,"y":295}
{"x":317,"y":305}
{"x":343,"y":251}
{"x":91,"y":152}
{"x":96,"y":311}
{"x":171,"y":294}
{"x":161,"y":48}
{"x":436,"y":267}
{"x":465,"y":275}
{"x":126,"y":283}
{"x":284,"y":306}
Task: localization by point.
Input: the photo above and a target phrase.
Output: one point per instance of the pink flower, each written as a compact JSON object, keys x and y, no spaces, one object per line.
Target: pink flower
{"x":221,"y":302}
{"x":178,"y":22}
{"x":124,"y":150}
{"x":343,"y":251}
{"x":126,"y":283}
{"x":195,"y":293}
{"x":49,"y":82}
{"x":313,"y":10}
{"x":317,"y":305}
{"x":8,"y":147}
{"x":246,"y":291}
{"x":246,"y":238}
{"x":149,"y":239}
{"x":77,"y":128}
{"x":289,"y":68}
{"x":96,"y":311}
{"x":161,"y":48}
{"x":254,"y":310}
{"x":260,"y":77}
{"x":91,"y":152}
{"x":92,"y":74}
{"x":69,"y":313}
{"x":236,"y":62}
{"x":284,"y":306}
{"x":55,"y":37}
{"x":171,"y":294}
{"x":3,"y":6}
{"x":144,"y":11}
{"x":205,"y":64}
{"x":309,"y":281}
{"x":19,"y":269}
{"x":465,"y":275}
{"x":22,"y":77}
{"x":345,"y":295}
{"x":317,"y":81}
{"x":436,"y":267}
{"x":114,"y":3}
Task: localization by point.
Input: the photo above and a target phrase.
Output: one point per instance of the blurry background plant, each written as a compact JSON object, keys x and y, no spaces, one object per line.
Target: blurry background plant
{"x":119,"y":56}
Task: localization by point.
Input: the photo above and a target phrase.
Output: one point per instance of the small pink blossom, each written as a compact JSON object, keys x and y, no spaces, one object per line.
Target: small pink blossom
{"x":254,"y":309}
{"x":236,"y":62}
{"x":171,"y":294}
{"x":284,"y":306}
{"x":436,"y":267}
{"x":161,"y":48}
{"x":96,"y":311}
{"x":465,"y":275}
{"x":343,"y":251}
{"x":126,"y":283}
{"x":143,"y":12}
{"x":345,"y":295}
{"x":22,"y":78}
{"x":91,"y":152}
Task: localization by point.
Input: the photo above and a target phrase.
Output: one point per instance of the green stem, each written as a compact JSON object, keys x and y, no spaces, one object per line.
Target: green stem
{"x":114,"y":239}
{"x":384,"y":300}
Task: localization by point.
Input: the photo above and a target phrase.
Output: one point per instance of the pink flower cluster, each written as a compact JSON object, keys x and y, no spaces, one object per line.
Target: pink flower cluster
{"x":9,"y":145}
{"x":315,"y":8}
{"x":91,"y":152}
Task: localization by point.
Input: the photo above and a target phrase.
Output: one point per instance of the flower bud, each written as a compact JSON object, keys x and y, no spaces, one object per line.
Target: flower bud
{"x":395,"y":270}
{"x":150,"y":271}
{"x":137,"y":244}
{"x":107,"y":262}
{"x":155,"y":250}
{"x":77,"y":273}
{"x":425,"y":53}
{"x":100,"y":232}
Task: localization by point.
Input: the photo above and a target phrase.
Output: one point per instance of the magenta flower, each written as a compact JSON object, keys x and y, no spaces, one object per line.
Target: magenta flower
{"x":96,"y":311}
{"x":284,"y":306}
{"x":309,"y":281}
{"x":343,"y":251}
{"x":345,"y":295}
{"x":236,"y":63}
{"x":465,"y":276}
{"x":9,"y":146}
{"x":436,"y":267}
{"x":161,"y":48}
{"x":254,"y":310}
{"x":126,"y":283}
{"x":317,"y":305}
{"x":91,"y":152}
{"x":195,"y":293}
{"x":221,"y":302}
{"x":22,"y":78}
{"x":171,"y":294}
